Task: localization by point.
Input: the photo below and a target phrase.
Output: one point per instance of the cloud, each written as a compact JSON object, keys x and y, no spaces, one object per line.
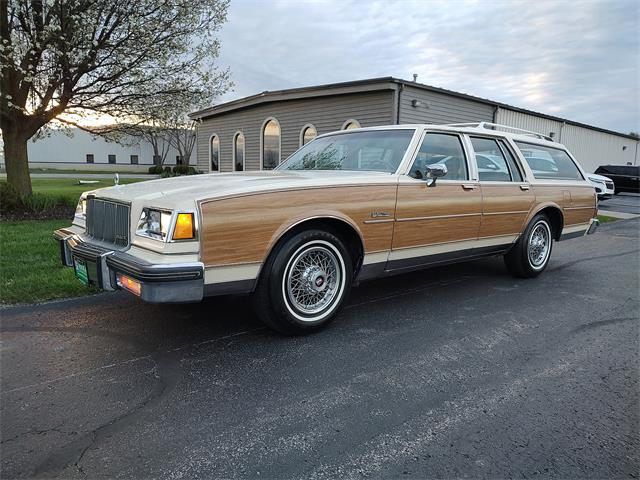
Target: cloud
{"x":579,"y":60}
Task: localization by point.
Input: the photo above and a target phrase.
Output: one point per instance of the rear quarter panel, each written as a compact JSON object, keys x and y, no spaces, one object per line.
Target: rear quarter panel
{"x":577,"y":202}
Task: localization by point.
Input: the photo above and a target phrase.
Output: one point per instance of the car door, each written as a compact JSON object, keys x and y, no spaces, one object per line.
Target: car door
{"x":507,"y":196}
{"x":438,"y":222}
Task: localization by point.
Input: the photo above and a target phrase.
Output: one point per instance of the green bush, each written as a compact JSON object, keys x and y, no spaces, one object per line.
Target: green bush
{"x":9,"y":198}
{"x":181,"y":170}
{"x":156,"y":169}
{"x":184,"y":170}
{"x":41,"y":202}
{"x":11,"y":201}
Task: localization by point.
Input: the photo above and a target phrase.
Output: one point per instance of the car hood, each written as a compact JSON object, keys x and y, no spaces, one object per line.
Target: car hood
{"x":171,"y":192}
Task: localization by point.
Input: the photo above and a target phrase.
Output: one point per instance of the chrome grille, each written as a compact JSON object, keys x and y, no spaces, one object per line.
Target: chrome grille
{"x":108,"y":221}
{"x":609,"y":185}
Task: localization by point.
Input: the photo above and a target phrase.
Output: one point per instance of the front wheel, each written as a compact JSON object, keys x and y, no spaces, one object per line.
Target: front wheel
{"x":530,"y":255}
{"x":304,"y":283}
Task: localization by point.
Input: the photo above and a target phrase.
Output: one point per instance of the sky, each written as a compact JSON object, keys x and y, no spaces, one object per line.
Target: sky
{"x":577,"y":59}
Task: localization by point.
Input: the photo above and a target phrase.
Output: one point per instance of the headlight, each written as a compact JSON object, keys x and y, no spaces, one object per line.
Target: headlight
{"x":81,"y":209}
{"x":597,"y":180}
{"x":154,"y":224}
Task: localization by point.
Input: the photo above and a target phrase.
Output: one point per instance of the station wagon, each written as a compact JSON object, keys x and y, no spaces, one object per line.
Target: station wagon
{"x":347,"y":207}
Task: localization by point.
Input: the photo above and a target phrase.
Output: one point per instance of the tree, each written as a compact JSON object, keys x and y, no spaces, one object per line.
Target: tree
{"x":182,"y":137}
{"x":153,"y":131}
{"x":87,"y":57}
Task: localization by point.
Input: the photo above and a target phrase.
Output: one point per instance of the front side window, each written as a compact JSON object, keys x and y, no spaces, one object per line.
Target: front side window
{"x":549,"y":163}
{"x":308,"y":133}
{"x":492,"y":163}
{"x":215,"y":154}
{"x":270,"y":145}
{"x":380,"y":150}
{"x":441,"y":148}
{"x":238,"y":152}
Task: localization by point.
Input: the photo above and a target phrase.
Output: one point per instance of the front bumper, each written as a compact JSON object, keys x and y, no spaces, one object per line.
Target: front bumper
{"x":159,"y":283}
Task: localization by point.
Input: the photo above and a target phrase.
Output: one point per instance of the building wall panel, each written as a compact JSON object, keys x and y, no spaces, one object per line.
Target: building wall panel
{"x":590,"y":147}
{"x":441,"y":108}
{"x":327,"y":114}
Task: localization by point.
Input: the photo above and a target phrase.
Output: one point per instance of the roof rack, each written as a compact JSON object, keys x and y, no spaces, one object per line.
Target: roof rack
{"x":496,"y":126}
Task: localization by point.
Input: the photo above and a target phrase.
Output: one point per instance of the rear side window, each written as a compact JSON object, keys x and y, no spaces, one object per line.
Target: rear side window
{"x":495,"y":162}
{"x":549,"y":163}
{"x":441,"y":148}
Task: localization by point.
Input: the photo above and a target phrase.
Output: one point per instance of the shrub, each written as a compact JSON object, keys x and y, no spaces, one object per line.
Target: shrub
{"x":37,"y":205}
{"x":156,"y":169}
{"x":166,"y":170}
{"x":181,"y":170}
{"x":9,"y":198}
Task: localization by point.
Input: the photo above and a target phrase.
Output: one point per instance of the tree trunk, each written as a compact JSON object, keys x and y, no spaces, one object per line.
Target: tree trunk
{"x":17,"y":161}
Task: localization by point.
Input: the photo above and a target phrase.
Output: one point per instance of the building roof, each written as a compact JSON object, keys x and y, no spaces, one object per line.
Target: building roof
{"x":369,"y":85}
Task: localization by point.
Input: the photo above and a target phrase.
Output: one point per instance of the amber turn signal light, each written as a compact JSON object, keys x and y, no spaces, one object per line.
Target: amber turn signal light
{"x":184,"y":229}
{"x":129,"y":284}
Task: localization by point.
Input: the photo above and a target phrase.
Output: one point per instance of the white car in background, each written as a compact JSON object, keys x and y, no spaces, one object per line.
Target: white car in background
{"x":604,"y":185}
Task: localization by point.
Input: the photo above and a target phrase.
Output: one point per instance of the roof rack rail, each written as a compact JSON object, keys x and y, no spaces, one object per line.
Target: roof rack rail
{"x":496,"y":126}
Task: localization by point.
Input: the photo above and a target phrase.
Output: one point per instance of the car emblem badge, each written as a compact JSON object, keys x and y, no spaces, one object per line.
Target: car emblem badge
{"x":380,"y":214}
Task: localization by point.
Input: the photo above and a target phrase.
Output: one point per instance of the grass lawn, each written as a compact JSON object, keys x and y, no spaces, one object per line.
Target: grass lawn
{"x":80,"y":173}
{"x":607,"y":218}
{"x":69,"y":188}
{"x":30,"y":268}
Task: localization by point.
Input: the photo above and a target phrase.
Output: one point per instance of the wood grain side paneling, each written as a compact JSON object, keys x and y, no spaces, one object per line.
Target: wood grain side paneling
{"x":457,"y":214}
{"x":578,"y":203}
{"x":505,"y":209}
{"x":243,"y":229}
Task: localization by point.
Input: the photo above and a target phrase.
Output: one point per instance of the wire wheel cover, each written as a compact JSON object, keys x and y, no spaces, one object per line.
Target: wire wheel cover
{"x":539,"y":242}
{"x":313,"y":279}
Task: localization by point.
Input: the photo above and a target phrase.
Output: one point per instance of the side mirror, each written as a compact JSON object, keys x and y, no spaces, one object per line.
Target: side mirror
{"x":433,"y":172}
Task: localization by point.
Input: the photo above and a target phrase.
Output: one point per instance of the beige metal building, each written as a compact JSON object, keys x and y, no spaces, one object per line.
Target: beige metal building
{"x":259,"y":131}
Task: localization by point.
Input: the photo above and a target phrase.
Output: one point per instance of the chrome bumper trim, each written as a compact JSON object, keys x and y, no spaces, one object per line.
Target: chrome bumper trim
{"x":593,"y":226}
{"x":170,"y":283}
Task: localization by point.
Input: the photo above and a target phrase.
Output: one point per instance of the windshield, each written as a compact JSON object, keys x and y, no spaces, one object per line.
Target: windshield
{"x":369,"y":150}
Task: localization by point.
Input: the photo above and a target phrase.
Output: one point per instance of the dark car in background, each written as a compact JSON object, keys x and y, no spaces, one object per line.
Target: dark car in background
{"x":625,"y":177}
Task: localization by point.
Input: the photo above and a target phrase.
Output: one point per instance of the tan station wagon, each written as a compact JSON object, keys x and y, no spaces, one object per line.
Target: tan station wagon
{"x":347,"y":207}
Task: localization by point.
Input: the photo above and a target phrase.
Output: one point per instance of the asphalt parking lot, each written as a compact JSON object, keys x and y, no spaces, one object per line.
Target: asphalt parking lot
{"x":623,"y":202}
{"x":460,"y":371}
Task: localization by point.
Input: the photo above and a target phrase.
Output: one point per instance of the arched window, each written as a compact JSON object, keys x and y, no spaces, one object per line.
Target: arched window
{"x":215,"y":153}
{"x":270,"y":144}
{"x":238,"y":152}
{"x":350,"y":124}
{"x":307,"y":134}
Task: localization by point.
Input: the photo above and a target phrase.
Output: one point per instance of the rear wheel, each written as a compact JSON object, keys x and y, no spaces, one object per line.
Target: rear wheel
{"x":530,"y":255}
{"x":304,"y":283}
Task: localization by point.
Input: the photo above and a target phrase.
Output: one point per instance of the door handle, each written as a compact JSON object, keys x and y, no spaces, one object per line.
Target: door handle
{"x":469,"y":187}
{"x":524,"y":187}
